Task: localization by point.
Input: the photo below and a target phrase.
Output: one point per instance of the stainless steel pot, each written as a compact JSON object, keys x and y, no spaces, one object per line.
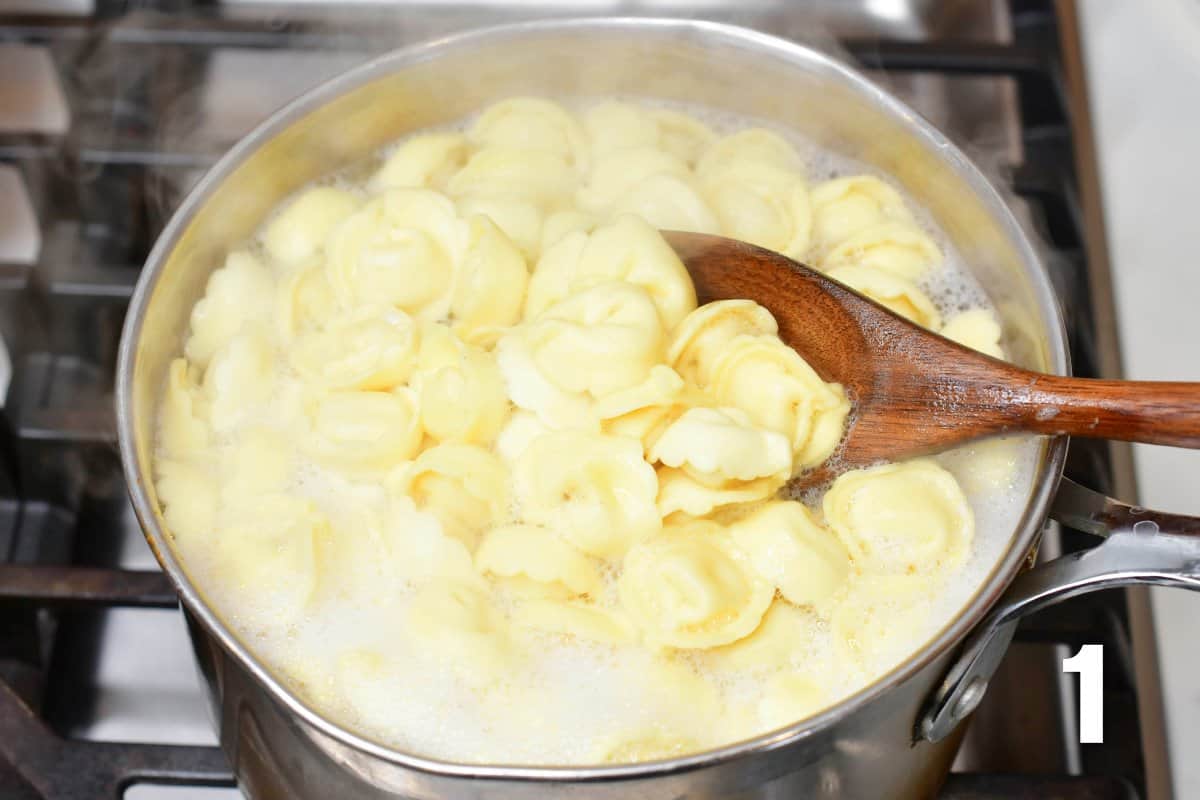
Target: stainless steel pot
{"x":893,"y":739}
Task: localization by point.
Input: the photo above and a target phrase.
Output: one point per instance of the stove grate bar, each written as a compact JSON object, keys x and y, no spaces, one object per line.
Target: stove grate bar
{"x":986,"y":786}
{"x":59,"y":586}
{"x":51,"y":767}
{"x":942,"y":55}
{"x":65,"y":769}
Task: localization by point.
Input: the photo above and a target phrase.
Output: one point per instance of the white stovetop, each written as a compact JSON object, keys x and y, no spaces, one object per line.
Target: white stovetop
{"x":1143,"y":62}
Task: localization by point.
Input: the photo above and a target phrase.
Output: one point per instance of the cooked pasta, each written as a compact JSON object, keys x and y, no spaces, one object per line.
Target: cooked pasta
{"x":455,"y":443}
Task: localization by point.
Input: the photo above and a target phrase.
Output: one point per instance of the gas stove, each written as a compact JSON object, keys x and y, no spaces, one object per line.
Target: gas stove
{"x":110,"y":109}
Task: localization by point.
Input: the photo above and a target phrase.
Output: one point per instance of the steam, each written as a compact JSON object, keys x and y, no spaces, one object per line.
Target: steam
{"x":219,"y":93}
{"x":239,"y":84}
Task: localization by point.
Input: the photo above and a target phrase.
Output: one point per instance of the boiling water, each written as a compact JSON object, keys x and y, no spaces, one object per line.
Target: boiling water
{"x":562,"y":702}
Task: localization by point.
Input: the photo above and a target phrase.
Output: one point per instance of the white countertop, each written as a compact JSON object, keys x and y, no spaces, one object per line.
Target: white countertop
{"x":1143,"y":64}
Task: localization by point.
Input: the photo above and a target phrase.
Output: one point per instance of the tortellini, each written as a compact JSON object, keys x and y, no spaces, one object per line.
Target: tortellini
{"x":752,"y":180}
{"x":236,"y":294}
{"x":266,"y":548}
{"x":304,"y":302}
{"x":239,"y":380}
{"x":786,"y":636}
{"x":682,"y":134}
{"x":863,"y":231}
{"x":298,"y":233}
{"x":668,"y":202}
{"x":714,"y":457}
{"x":695,"y":494}
{"x":182,"y":431}
{"x":578,"y":620}
{"x":414,"y":546}
{"x":677,"y":706}
{"x":986,"y":466}
{"x":785,"y":544}
{"x":543,"y":178}
{"x":651,"y":184}
{"x":753,"y":145}
{"x":422,"y":162}
{"x":594,"y":489}
{"x":692,"y":587}
{"x":261,"y":462}
{"x":452,"y":440}
{"x":401,"y":249}
{"x":464,"y":486}
{"x":356,"y":555}
{"x":976,"y":329}
{"x":548,"y":565}
{"x":462,"y":393}
{"x":531,"y":123}
{"x":521,"y":428}
{"x":613,"y":126}
{"x":365,"y":431}
{"x":591,"y":344}
{"x":620,"y":172}
{"x":781,"y":392}
{"x":627,"y":250}
{"x":368,"y":347}
{"x":524,"y":135}
{"x":661,"y":386}
{"x":896,"y":247}
{"x":458,"y":623}
{"x":600,"y":340}
{"x":895,"y":294}
{"x":879,"y":617}
{"x":844,"y":206}
{"x":561,"y":223}
{"x":519,"y":219}
{"x":531,"y":390}
{"x":705,"y":332}
{"x":642,"y":411}
{"x":490,"y":286}
{"x":722,"y":442}
{"x":189,"y":495}
{"x":901,"y":518}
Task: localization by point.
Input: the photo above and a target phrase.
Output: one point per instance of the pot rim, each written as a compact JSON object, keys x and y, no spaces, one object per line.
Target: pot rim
{"x":999,"y":578}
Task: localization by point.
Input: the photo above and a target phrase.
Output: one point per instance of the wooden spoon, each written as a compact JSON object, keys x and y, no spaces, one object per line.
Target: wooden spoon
{"x":917,"y":393}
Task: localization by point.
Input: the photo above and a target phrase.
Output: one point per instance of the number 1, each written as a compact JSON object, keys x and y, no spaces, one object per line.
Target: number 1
{"x":1089,"y":663}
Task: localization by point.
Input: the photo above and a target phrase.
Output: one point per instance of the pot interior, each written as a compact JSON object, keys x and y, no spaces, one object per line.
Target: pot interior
{"x":707,"y":65}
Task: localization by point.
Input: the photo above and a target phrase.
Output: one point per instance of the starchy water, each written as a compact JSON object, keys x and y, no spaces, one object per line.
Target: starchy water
{"x":566,"y":701}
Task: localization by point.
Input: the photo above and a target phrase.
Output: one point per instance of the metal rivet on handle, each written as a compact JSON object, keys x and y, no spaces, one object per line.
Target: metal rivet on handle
{"x":970,"y":697}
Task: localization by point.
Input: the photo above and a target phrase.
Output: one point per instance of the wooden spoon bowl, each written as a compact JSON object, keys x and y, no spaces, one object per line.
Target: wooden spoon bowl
{"x":915,"y":392}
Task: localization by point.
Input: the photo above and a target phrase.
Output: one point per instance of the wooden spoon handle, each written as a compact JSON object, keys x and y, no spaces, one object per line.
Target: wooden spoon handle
{"x":916,"y":393}
{"x":1151,"y":412}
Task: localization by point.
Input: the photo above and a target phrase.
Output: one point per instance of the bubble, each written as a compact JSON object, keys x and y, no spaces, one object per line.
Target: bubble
{"x":564,"y":697}
{"x":1145,"y":527}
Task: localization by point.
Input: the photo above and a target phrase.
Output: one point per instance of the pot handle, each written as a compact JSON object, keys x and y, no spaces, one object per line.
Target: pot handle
{"x":1140,"y":547}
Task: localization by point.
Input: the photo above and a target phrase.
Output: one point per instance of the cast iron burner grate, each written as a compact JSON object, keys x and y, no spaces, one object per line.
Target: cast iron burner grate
{"x":99,"y":189}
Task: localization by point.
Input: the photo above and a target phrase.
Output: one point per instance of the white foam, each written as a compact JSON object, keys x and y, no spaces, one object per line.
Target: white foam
{"x":566,"y":700}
